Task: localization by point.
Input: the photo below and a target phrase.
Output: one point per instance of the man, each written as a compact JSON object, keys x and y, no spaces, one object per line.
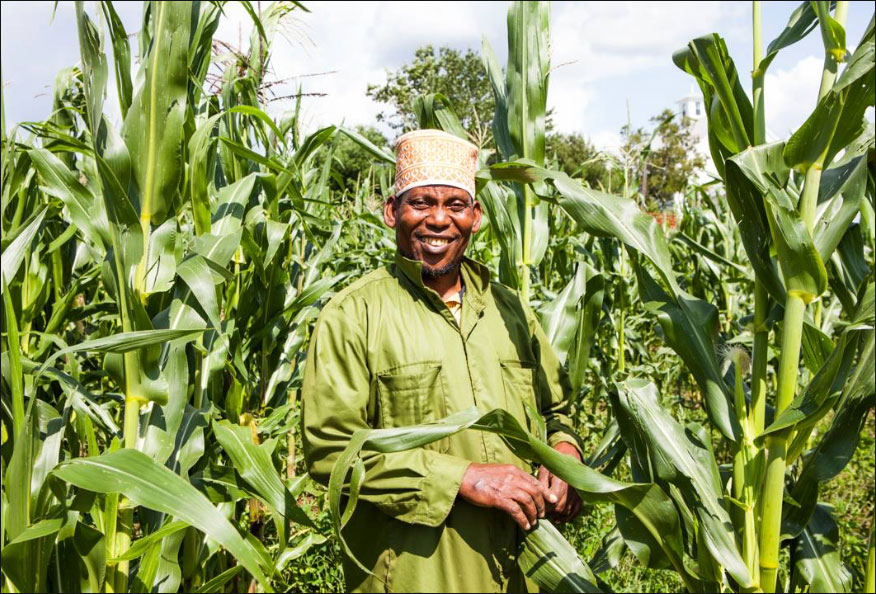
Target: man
{"x":411,"y":343}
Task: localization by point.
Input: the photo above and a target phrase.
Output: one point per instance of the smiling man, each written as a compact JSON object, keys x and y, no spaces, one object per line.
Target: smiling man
{"x":411,"y":343}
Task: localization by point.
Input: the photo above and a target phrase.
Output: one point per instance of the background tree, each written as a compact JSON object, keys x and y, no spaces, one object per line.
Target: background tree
{"x":458,"y":76}
{"x":352,"y":164}
{"x":577,"y":157}
{"x":670,"y":163}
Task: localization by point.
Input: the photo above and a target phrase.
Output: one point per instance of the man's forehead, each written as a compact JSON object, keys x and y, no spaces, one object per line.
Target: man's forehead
{"x":437,"y":191}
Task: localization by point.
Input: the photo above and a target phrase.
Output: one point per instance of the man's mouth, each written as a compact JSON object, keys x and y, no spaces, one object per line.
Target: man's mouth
{"x":436,"y":242}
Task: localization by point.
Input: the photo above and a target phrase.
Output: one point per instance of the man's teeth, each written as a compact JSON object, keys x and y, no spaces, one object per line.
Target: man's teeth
{"x":436,"y":241}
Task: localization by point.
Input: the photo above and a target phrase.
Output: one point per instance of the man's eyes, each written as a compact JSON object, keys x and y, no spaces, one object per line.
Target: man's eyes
{"x":423,"y":205}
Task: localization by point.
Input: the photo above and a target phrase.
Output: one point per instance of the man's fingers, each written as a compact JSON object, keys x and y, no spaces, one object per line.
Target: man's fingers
{"x":544,"y":479}
{"x":544,"y":476}
{"x":558,"y":491}
{"x":573,"y":507}
{"x":536,"y":491}
{"x":527,"y":504}
{"x":514,"y":510}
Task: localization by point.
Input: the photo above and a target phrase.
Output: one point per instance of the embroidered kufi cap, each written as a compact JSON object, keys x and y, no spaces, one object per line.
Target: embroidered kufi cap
{"x":434,"y":158}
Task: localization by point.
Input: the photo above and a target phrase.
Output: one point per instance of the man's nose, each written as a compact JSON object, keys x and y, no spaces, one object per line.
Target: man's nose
{"x":438,"y":217}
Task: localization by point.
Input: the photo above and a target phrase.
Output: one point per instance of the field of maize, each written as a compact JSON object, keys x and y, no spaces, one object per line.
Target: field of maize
{"x":160,"y":279}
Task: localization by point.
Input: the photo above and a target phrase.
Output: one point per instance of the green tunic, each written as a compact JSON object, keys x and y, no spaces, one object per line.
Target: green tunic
{"x":386,"y":352}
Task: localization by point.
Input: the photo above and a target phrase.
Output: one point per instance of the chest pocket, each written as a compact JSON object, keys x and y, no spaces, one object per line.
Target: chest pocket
{"x":411,"y":395}
{"x":518,"y":378}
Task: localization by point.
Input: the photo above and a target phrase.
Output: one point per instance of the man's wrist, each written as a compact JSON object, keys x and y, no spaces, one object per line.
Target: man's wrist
{"x":569,"y":449}
{"x":562,"y":437}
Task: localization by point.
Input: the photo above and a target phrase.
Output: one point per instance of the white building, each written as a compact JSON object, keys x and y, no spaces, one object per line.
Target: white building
{"x":693,"y":108}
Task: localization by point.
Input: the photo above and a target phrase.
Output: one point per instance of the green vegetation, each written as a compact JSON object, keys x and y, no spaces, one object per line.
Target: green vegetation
{"x":160,"y":279}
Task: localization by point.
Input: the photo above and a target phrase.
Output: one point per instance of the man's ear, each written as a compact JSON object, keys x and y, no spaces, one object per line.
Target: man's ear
{"x":477,"y":217}
{"x":389,"y":211}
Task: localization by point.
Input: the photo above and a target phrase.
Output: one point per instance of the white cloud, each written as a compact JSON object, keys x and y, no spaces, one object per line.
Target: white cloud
{"x":790,"y":95}
{"x":608,"y":141}
{"x":360,"y":41}
{"x":355,"y":43}
{"x":616,"y":50}
{"x":611,"y":39}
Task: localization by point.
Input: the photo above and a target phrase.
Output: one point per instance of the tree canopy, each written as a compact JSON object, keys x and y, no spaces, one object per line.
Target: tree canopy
{"x":457,"y":75}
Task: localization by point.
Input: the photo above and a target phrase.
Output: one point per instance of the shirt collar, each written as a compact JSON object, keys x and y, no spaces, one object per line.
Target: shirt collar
{"x":475,"y":275}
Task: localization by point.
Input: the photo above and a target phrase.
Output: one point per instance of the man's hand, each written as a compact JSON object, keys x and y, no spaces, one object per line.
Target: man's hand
{"x":506,"y":487}
{"x":567,"y":503}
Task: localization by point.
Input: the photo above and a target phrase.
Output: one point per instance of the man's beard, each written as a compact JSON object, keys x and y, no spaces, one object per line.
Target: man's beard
{"x":430,"y":272}
{"x":439,"y":272}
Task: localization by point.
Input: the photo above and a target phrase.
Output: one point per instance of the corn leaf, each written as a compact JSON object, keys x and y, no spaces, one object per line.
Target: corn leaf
{"x":153,"y":127}
{"x":838,"y":444}
{"x":690,"y":327}
{"x":802,"y":267}
{"x":801,"y":22}
{"x":816,"y":554}
{"x":148,"y":483}
{"x":253,"y":463}
{"x":646,"y":501}
{"x":678,"y":458}
{"x":839,"y":116}
{"x":549,"y":560}
{"x":13,"y":255}
{"x":526,"y":77}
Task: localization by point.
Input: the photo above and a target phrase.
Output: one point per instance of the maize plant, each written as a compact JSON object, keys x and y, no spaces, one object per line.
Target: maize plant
{"x":794,"y":205}
{"x":159,"y":280}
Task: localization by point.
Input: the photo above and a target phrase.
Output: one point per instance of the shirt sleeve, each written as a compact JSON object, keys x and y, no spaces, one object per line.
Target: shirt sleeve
{"x":553,"y":388}
{"x":417,"y":486}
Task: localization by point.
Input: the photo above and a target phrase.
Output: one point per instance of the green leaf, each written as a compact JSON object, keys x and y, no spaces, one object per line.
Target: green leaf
{"x":647,"y":501}
{"x":802,"y":267}
{"x":816,"y":554}
{"x":253,"y":463}
{"x":433,"y":112}
{"x":832,"y":32}
{"x":13,"y":348}
{"x":526,"y":77}
{"x":678,"y":457}
{"x":842,"y":187}
{"x":124,"y":342}
{"x":728,"y":109}
{"x":142,"y":546}
{"x":605,"y":215}
{"x":367,"y":145}
{"x":231,"y":206}
{"x":146,"y":482}
{"x":85,"y":211}
{"x":801,"y":22}
{"x":839,"y":443}
{"x":13,"y":254}
{"x":558,"y":316}
{"x":839,"y":116}
{"x":586,"y":323}
{"x":121,"y":56}
{"x":500,"y":115}
{"x":153,"y":126}
{"x":217,"y":584}
{"x":550,"y":561}
{"x":161,"y":266}
{"x":38,"y":530}
{"x":690,"y":327}
{"x":17,"y":480}
{"x":195,"y":272}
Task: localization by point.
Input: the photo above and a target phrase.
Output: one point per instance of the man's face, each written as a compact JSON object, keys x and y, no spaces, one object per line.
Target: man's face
{"x":433,"y":225}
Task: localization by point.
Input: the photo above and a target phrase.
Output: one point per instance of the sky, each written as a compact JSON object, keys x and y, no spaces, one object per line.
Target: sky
{"x":612,"y":61}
